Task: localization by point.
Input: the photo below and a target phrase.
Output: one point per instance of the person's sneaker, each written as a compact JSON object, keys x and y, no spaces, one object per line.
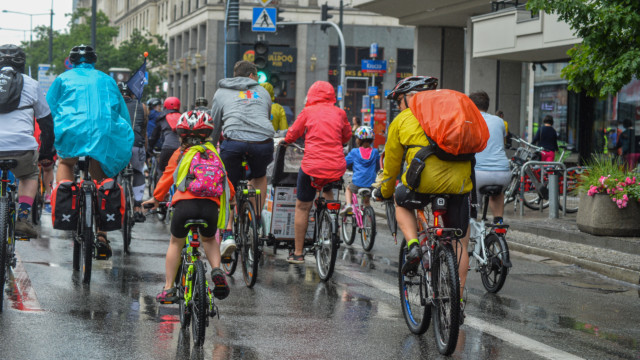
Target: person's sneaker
{"x":103,"y":248}
{"x":295,"y":259}
{"x":47,"y":198}
{"x":347,"y":209}
{"x":47,"y":208}
{"x":462,"y":315}
{"x":220,"y":286}
{"x":167,"y":296}
{"x":498,"y":220}
{"x":412,"y":260}
{"x":25,"y":228}
{"x":227,"y":247}
{"x":139,"y":217}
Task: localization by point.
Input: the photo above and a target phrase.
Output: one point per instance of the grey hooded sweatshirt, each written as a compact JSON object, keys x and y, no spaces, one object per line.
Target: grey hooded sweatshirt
{"x":242,"y":109}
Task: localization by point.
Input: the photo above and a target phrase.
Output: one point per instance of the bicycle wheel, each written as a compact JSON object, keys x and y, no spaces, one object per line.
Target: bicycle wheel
{"x":249,"y":234}
{"x":4,"y":257}
{"x":416,"y":309}
{"x":573,"y":197}
{"x":494,"y":273}
{"x":180,"y":283}
{"x":390,"y":209}
{"x":446,"y":287}
{"x":511,"y":192}
{"x":127,"y":224}
{"x":326,"y":246}
{"x":198,"y":304}
{"x":77,"y":251}
{"x":36,"y":209}
{"x":348,"y":229}
{"x":87,"y":236}
{"x":368,"y":233}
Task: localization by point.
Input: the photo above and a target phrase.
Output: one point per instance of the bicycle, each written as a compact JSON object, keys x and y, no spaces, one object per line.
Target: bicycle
{"x":153,"y":177}
{"x":245,"y":231}
{"x":8,"y":214}
{"x":488,"y":249}
{"x":125,"y":179}
{"x":435,"y":285}
{"x":38,"y":201}
{"x":361,"y":217}
{"x":196,"y":299}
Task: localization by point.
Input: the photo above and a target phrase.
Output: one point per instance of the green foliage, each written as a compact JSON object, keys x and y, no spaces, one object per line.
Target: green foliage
{"x":128,"y":55}
{"x":609,"y":55}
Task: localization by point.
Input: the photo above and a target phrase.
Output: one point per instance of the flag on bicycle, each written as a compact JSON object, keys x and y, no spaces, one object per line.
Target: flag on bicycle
{"x":137,"y":81}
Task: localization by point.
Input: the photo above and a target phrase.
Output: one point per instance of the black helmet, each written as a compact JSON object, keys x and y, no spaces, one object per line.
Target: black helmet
{"x":413,"y":83}
{"x":153,"y":102}
{"x":124,"y":89}
{"x":83,"y":53}
{"x":201,"y":101}
{"x":12,"y":55}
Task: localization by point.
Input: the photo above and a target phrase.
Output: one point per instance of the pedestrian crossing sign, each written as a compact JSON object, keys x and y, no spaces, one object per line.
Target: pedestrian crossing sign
{"x":264,"y":19}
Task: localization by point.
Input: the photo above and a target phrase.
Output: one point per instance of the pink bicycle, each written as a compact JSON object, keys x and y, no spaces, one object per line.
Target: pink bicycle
{"x":361,"y":217}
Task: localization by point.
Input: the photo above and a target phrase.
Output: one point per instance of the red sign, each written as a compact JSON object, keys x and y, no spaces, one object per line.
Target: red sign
{"x":379,"y":128}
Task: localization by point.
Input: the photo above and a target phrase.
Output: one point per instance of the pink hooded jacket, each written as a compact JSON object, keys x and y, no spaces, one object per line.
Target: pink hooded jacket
{"x":326,"y":128}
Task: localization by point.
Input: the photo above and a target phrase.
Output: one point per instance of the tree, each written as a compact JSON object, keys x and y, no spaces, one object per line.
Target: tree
{"x":609,"y":55}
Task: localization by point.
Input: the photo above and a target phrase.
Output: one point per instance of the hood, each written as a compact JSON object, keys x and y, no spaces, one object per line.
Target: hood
{"x":321,"y":92}
{"x":237,"y":83}
{"x":84,"y":65}
{"x":269,"y":88}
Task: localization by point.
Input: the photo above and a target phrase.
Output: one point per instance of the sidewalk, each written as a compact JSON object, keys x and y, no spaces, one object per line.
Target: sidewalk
{"x":560,"y":239}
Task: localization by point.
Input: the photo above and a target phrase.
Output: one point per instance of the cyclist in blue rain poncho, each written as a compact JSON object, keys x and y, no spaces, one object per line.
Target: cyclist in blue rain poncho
{"x":90,"y":118}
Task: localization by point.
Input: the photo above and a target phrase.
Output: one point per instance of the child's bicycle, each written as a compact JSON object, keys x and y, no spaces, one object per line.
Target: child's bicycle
{"x":195,"y":296}
{"x":363,"y":218}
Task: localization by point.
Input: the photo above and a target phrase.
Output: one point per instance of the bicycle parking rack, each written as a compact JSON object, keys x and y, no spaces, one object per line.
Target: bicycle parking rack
{"x":553,"y":186}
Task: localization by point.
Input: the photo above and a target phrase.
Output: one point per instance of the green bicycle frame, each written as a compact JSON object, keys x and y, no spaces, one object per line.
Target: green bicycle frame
{"x":191,"y":255}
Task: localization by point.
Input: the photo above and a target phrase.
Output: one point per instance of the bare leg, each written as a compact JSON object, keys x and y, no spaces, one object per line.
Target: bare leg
{"x":172,"y":260}
{"x":301,"y":222}
{"x":463,"y":257}
{"x":28,"y":188}
{"x":212,"y":250}
{"x":496,"y":204}
{"x":47,"y":179}
{"x":347,"y":196}
{"x":407,"y":223}
{"x":259,"y":184}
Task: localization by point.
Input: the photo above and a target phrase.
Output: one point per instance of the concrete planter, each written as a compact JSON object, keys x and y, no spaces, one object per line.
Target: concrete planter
{"x":599,"y":215}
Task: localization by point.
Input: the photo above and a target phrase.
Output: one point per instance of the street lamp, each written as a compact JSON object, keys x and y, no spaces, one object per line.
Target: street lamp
{"x":30,"y":21}
{"x":24,"y":32}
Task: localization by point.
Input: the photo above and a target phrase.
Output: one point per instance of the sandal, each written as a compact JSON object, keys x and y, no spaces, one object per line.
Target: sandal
{"x":167,"y":296}
{"x":221,"y":288}
{"x":103,"y":249}
{"x":295,"y":259}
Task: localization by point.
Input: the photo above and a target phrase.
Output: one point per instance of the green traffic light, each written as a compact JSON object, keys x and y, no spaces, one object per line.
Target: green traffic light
{"x":262,"y":77}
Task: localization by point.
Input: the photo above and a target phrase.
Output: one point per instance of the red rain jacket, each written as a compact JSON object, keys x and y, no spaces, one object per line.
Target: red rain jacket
{"x":326,"y":128}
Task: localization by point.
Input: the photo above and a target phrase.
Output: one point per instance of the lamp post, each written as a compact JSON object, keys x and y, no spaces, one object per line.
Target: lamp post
{"x":30,"y":20}
{"x":24,"y":32}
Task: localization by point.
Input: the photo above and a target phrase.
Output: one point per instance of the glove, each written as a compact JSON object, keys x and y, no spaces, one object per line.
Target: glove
{"x":377,"y":194}
{"x":45,"y":159}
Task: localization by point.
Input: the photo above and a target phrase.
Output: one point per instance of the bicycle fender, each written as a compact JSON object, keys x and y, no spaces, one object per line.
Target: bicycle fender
{"x":505,"y":257}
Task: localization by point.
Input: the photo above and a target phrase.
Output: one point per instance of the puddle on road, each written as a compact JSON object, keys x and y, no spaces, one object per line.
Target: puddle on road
{"x":600,"y":288}
{"x":593,"y":329}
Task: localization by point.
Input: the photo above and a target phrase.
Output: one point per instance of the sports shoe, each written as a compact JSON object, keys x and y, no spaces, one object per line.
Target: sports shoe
{"x":139,"y":217}
{"x":412,"y":260}
{"x":47,"y":198}
{"x":346,"y":209}
{"x":47,"y":208}
{"x":498,"y":220}
{"x":103,"y":248}
{"x":227,"y":247}
{"x":167,"y":296}
{"x":462,"y":315}
{"x":25,"y":228}
{"x":221,"y":288}
{"x":295,"y":259}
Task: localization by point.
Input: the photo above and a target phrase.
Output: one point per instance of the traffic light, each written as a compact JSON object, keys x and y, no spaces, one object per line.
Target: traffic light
{"x":261,"y":59}
{"x":279,"y":18}
{"x":325,"y":15}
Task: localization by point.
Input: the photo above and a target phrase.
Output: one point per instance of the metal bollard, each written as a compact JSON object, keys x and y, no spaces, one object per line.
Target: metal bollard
{"x":553,"y":194}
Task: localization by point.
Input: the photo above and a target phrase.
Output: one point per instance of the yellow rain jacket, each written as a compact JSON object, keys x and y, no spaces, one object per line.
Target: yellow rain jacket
{"x":278,"y":116}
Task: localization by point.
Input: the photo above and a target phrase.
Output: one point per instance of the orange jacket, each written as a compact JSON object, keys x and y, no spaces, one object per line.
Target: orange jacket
{"x":165,"y":182}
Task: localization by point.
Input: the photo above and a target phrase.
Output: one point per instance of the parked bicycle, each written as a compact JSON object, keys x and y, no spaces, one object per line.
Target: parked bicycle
{"x":362,"y":218}
{"x":435,"y":286}
{"x":488,"y":249}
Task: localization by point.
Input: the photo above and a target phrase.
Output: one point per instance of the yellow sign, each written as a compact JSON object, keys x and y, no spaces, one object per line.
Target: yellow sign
{"x":278,"y":58}
{"x":249,"y":55}
{"x":264,"y":2}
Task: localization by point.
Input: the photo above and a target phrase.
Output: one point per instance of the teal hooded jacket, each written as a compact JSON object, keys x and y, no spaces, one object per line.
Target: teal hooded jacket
{"x":90,"y":118}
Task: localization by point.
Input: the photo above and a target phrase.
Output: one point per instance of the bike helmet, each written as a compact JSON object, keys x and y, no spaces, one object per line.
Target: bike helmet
{"x":124,"y":89}
{"x":12,"y":55}
{"x":172,"y":103}
{"x":195,"y":123}
{"x":364,"y":133}
{"x":201,"y":102}
{"x":153,"y":102}
{"x":83,"y":53}
{"x":413,"y":83}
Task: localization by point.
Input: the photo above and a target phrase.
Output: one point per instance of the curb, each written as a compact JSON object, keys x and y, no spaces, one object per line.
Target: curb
{"x":614,"y":272}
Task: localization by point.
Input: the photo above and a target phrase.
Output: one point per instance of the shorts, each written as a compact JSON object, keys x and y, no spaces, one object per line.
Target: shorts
{"x":484,"y":178}
{"x":259,"y":155}
{"x":305,"y":191}
{"x":458,"y":206}
{"x":354,"y":188}
{"x":184,"y":210}
{"x":27,"y":168}
{"x":95,"y":169}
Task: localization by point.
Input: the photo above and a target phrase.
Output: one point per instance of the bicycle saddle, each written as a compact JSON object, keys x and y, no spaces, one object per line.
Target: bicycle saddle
{"x":196,"y":222}
{"x":364,"y":192}
{"x":8,"y":164}
{"x":491,"y":190}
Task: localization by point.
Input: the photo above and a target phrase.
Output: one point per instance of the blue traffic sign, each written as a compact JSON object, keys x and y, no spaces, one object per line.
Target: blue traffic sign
{"x":373,"y":50}
{"x":374,"y":66}
{"x":339,"y":95}
{"x":264,"y":19}
{"x":373,"y":90}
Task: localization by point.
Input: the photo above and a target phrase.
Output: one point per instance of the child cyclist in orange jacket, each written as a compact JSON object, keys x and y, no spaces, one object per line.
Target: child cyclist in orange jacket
{"x":196,"y":197}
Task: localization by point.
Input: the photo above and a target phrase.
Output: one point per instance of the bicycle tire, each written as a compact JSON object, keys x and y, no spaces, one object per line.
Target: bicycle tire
{"x":446,"y":287}
{"x":199,"y":299}
{"x":511,"y":192}
{"x":77,"y":251}
{"x":87,"y":237}
{"x":494,"y":274}
{"x":179,"y":283}
{"x":36,"y":209}
{"x":249,"y":233}
{"x":348,"y":229}
{"x":4,"y":257}
{"x":390,"y":210}
{"x":127,"y":224}
{"x":415,"y":307}
{"x":230,"y":268}
{"x":368,"y":233}
{"x":326,"y":246}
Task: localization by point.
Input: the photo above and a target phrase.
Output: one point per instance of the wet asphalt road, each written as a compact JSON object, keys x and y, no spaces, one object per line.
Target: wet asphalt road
{"x":545,"y":310}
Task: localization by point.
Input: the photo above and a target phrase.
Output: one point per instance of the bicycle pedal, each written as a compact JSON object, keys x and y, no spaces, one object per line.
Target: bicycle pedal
{"x":101,"y":257}
{"x":226,"y":260}
{"x":23,"y":238}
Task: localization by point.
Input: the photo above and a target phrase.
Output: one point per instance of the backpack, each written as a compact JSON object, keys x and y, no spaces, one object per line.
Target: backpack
{"x":65,"y":205}
{"x":11,"y":84}
{"x":206,"y":176}
{"x":172,"y":119}
{"x":111,"y":205}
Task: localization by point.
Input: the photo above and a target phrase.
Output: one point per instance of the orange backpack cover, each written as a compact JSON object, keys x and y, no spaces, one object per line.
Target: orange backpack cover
{"x":452,"y":120}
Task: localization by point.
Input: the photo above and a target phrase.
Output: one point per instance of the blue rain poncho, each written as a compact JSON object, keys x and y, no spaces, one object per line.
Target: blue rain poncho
{"x":91,"y":118}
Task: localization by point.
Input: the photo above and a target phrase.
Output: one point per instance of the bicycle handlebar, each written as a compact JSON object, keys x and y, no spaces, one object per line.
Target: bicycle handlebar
{"x":525,"y":143}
